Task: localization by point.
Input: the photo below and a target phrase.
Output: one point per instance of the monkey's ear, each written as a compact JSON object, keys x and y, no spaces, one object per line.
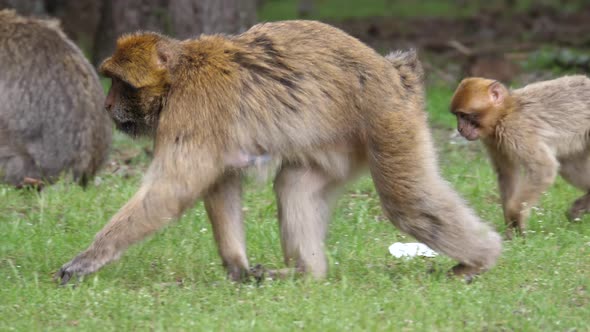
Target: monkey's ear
{"x":163,"y":58}
{"x":166,"y":54}
{"x":497,"y":92}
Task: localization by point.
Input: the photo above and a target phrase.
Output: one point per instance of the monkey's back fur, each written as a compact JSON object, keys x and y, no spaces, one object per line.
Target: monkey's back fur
{"x":51,"y":114}
{"x":288,"y":79}
{"x":541,"y":109}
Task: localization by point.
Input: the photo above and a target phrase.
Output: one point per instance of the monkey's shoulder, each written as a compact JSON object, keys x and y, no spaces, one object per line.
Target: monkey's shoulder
{"x":293,"y":27}
{"x":303,"y":38}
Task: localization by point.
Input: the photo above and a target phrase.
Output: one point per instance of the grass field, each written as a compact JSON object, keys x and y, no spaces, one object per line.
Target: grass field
{"x":175,"y":281}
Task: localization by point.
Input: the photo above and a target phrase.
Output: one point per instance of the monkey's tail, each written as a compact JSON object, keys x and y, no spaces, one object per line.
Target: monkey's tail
{"x":408,"y":66}
{"x":417,"y":199}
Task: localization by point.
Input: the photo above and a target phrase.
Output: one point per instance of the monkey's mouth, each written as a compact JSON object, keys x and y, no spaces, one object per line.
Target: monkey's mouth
{"x":471,"y":133}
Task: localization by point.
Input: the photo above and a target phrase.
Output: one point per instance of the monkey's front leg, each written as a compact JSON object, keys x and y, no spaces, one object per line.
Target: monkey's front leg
{"x":508,"y":173}
{"x":508,"y":183}
{"x":169,"y":188}
{"x":223,"y":203}
{"x":539,"y":175}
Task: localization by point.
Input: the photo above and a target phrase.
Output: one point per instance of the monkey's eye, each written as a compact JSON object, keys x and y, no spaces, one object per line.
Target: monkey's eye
{"x":129,"y":85}
{"x":129,"y":88}
{"x":124,"y":85}
{"x":469,"y":117}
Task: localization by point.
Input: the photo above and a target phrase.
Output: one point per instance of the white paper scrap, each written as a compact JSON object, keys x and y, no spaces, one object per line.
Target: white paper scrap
{"x":409,"y":250}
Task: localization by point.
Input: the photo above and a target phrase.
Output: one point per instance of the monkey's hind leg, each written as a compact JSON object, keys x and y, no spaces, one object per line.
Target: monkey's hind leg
{"x":576,"y":171}
{"x":304,"y":212}
{"x":419,"y":202}
{"x":224,"y":207}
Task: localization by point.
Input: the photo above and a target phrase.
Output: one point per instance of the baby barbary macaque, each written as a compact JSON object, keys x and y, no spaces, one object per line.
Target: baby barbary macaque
{"x":531,"y":134}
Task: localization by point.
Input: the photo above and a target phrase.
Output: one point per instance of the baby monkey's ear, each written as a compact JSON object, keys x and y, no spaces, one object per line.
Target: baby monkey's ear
{"x":497,"y":92}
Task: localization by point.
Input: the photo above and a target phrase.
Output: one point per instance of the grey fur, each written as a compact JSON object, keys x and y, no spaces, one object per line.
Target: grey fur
{"x":51,"y":114}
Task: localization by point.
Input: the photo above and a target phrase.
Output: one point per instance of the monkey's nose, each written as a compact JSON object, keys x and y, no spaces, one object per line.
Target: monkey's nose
{"x":108,"y":106}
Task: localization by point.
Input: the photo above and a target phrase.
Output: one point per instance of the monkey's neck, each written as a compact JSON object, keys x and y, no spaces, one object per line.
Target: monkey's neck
{"x":510,"y":105}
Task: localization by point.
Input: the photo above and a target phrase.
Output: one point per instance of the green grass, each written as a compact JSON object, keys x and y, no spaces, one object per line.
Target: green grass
{"x":558,"y":60}
{"x":174,"y":281}
{"x":340,"y":9}
{"x":274,"y":10}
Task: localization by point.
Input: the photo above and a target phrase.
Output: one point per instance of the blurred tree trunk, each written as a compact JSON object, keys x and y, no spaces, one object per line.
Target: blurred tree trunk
{"x":185,"y":17}
{"x":192,"y":17}
{"x":227,"y":16}
{"x":96,"y":25}
{"x":122,"y":16}
{"x":179,"y":18}
{"x":79,"y":19}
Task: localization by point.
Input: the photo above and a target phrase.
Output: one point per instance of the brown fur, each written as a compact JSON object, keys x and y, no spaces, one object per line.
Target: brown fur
{"x":304,"y":93}
{"x":51,"y":116}
{"x":531,"y":134}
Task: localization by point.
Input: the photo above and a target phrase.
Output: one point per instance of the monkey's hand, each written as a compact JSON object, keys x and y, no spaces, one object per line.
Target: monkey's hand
{"x":467,"y":273}
{"x":31,"y":182}
{"x":85,"y":263}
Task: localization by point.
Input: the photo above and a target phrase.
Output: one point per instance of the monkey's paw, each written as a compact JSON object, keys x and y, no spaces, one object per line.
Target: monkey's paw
{"x":514,"y":230}
{"x":509,"y":233}
{"x":466,"y":272}
{"x":578,"y":209}
{"x":79,"y":266}
{"x":31,"y":183}
{"x":258,"y":272}
{"x":515,"y":224}
{"x":237,"y":274}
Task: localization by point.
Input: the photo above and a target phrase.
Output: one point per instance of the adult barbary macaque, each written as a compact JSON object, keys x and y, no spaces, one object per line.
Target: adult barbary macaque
{"x":303,"y":92}
{"x":51,"y":115}
{"x":531,"y":134}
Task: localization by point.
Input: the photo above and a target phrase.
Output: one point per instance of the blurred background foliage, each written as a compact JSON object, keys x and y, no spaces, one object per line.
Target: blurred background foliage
{"x":516,"y":41}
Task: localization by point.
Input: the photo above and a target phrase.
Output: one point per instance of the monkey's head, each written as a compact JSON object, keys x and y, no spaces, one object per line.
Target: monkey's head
{"x":479,"y":104}
{"x":140,"y":80}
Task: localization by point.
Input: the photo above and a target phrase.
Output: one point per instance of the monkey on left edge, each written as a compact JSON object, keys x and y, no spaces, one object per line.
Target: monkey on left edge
{"x":51,"y":116}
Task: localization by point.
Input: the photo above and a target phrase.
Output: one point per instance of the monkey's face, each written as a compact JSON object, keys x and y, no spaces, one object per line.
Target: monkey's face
{"x":469,"y":117}
{"x":134,"y":110}
{"x":468,"y":125}
{"x":477,"y":105}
